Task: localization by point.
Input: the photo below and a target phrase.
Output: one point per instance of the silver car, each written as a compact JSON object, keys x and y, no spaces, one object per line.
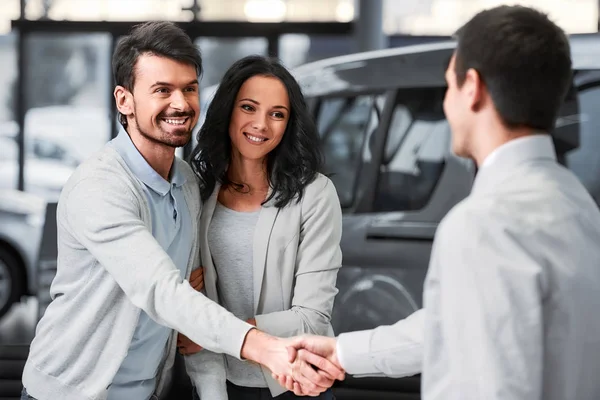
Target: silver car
{"x":22,"y":217}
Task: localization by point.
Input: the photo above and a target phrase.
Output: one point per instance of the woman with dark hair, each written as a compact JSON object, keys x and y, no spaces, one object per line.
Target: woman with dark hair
{"x":271,"y":223}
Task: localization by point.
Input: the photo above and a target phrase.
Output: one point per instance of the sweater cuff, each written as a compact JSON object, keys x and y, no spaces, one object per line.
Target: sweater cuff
{"x":234,"y":336}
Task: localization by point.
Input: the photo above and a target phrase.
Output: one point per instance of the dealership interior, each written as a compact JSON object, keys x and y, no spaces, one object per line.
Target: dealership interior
{"x":362,"y":64}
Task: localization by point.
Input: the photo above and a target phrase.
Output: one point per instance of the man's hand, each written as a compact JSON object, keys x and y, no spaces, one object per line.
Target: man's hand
{"x":314,"y":351}
{"x":319,"y":345}
{"x":186,"y":346}
{"x":197,"y":279}
{"x":273,"y":353}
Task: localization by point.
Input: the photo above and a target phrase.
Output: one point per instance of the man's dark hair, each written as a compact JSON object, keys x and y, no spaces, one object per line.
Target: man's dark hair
{"x":523,"y":58}
{"x":159,"y":38}
{"x":291,"y":166}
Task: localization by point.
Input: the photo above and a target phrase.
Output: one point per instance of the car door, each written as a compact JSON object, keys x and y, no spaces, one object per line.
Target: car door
{"x":579,"y":119}
{"x":349,"y":129}
{"x":395,"y":182}
{"x":389,"y":156}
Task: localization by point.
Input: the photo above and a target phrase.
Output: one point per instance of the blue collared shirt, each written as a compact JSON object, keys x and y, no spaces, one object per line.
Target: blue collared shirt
{"x":172,"y":229}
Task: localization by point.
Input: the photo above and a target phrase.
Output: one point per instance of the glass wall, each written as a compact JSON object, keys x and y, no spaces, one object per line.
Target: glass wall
{"x":187,"y":10}
{"x":109,"y":10}
{"x":298,"y":49}
{"x":414,"y":17}
{"x":67,"y":118}
{"x":218,"y":54}
{"x":9,"y":150}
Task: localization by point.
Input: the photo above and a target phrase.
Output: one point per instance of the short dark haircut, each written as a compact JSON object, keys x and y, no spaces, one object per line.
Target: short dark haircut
{"x":523,"y":58}
{"x":159,"y":38}
{"x":291,"y":166}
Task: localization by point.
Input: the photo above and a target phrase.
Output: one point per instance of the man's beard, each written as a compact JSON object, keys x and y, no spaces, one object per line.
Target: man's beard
{"x":179,"y":137}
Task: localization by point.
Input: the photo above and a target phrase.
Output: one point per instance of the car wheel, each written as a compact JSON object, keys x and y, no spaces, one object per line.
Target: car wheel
{"x":371,"y":301}
{"x":11,"y":282}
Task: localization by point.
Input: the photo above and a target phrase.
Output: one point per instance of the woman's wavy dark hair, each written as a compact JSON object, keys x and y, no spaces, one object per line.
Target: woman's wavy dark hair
{"x":291,"y":166}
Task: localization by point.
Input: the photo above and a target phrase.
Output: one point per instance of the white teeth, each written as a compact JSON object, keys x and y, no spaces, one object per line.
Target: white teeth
{"x":175,"y":121}
{"x":254,"y":138}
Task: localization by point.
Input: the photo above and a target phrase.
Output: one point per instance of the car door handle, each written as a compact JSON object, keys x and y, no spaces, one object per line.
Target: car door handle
{"x":403,"y":230}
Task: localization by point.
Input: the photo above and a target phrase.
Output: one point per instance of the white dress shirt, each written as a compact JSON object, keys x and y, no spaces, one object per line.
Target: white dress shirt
{"x":512,"y":294}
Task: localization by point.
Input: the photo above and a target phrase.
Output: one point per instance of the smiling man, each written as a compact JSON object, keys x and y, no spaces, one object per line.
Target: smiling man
{"x":127,"y":244}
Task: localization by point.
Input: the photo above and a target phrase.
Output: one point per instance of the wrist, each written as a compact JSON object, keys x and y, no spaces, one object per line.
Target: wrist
{"x":254,"y":346}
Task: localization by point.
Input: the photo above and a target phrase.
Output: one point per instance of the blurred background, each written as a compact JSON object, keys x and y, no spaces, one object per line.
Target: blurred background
{"x":55,"y":58}
{"x":379,"y":114}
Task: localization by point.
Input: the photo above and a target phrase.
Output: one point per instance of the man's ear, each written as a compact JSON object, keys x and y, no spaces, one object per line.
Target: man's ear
{"x":474,"y":88}
{"x":123,"y":100}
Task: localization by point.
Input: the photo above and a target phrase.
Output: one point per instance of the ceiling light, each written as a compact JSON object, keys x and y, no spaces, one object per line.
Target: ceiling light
{"x":265,"y":10}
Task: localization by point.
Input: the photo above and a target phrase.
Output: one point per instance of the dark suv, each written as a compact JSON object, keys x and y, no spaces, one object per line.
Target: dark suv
{"x":387,"y":148}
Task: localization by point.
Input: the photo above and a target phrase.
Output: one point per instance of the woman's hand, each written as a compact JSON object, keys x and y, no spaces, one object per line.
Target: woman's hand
{"x":197,"y":279}
{"x":185,"y":345}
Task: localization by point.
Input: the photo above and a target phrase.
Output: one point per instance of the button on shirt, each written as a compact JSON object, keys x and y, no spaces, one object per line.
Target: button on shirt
{"x":172,"y":229}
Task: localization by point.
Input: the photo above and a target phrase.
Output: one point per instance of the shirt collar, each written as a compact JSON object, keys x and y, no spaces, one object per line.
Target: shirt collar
{"x":142,"y":170}
{"x":511,"y":154}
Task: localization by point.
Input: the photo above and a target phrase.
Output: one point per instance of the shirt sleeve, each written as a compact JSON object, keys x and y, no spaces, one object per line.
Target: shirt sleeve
{"x":395,"y":350}
{"x":103,"y":216}
{"x":483,"y":302}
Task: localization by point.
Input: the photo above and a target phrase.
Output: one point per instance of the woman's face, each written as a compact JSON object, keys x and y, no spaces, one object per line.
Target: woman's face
{"x":260,"y":116}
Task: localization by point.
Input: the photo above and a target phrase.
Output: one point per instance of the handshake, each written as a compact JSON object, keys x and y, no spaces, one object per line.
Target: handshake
{"x":307,"y":365}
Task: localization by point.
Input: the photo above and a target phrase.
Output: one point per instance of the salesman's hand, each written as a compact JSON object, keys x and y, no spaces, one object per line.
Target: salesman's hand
{"x":312,"y":350}
{"x":305,"y":374}
{"x":197,"y":279}
{"x":273,"y":353}
{"x":186,"y":346}
{"x":319,"y":345}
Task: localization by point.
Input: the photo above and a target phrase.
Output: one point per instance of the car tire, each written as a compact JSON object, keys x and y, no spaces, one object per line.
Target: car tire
{"x":11,"y":280}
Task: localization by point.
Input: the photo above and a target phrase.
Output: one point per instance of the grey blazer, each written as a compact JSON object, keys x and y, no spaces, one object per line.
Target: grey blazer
{"x":296,"y":258}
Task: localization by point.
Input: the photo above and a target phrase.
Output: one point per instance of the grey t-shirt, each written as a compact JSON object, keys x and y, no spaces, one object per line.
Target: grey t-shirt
{"x":230,"y":239}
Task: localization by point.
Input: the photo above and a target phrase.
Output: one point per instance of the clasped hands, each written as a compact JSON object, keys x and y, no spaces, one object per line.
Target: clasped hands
{"x":307,"y":365}
{"x":315,"y":365}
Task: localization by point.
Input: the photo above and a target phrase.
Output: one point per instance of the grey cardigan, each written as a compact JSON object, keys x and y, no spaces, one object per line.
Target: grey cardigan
{"x":109,"y":269}
{"x":296,"y":258}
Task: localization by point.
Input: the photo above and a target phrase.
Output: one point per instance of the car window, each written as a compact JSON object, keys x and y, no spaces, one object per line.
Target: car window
{"x":342,"y":123}
{"x":417,"y":144}
{"x":374,"y":119}
{"x":584,"y":161}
